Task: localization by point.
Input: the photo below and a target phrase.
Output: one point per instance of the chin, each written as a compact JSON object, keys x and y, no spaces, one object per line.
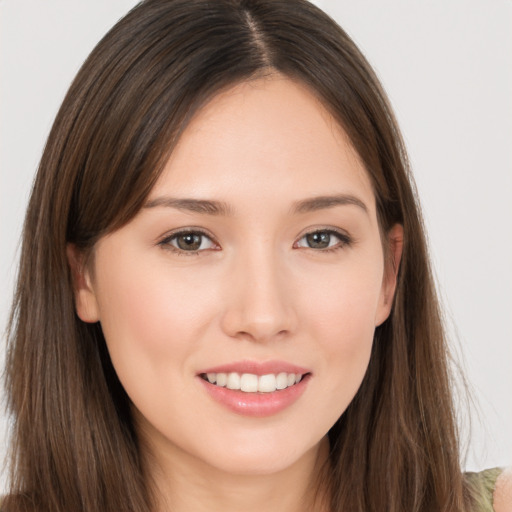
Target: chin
{"x":262,"y":458}
{"x":254,"y":465}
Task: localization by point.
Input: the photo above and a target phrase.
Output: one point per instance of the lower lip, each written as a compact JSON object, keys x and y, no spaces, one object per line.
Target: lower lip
{"x":256,"y":404}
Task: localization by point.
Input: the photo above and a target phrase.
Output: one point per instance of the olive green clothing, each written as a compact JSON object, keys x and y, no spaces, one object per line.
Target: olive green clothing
{"x":482,"y":485}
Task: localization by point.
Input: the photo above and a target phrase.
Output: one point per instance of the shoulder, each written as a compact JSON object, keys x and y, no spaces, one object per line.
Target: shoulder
{"x":490,"y":490}
{"x":503,"y":492}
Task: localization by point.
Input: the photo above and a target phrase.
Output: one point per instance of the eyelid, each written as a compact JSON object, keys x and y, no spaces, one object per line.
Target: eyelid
{"x":344,"y":239}
{"x":164,"y":241}
{"x":342,"y":235}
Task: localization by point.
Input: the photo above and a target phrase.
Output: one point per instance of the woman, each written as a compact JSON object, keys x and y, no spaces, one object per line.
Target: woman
{"x":224,"y":298}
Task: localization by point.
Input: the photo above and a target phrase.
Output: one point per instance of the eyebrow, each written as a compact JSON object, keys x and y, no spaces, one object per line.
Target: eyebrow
{"x":209,"y":207}
{"x":191,"y":205}
{"x":322,"y":202}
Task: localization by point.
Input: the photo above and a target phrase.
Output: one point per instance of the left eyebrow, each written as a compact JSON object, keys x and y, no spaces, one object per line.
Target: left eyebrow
{"x":323,"y":202}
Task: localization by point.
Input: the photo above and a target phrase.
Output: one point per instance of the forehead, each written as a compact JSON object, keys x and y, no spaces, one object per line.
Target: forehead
{"x":269,"y":137}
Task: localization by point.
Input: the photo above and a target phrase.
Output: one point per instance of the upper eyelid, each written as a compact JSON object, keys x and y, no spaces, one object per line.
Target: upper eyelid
{"x":165,"y":242}
{"x":343,"y":237}
{"x":328,"y":229}
{"x":201,"y":231}
{"x":180,"y":231}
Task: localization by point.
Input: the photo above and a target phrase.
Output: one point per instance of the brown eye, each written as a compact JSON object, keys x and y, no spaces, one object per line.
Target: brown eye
{"x":189,"y":241}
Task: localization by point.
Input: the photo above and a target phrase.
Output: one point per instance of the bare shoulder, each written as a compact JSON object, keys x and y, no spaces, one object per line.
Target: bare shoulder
{"x":503,"y":492}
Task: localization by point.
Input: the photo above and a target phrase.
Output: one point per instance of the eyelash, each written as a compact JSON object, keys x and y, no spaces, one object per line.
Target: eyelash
{"x":166,"y":242}
{"x":344,"y":241}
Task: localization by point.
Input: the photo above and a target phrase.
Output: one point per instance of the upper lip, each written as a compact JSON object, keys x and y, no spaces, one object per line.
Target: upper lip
{"x":257,"y":368}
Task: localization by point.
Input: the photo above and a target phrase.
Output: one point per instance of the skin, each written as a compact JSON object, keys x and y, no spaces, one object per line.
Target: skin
{"x":503,"y":492}
{"x":256,"y":290}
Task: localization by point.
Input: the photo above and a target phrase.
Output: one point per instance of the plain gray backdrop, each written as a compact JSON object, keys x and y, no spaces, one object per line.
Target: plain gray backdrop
{"x":447,"y":67}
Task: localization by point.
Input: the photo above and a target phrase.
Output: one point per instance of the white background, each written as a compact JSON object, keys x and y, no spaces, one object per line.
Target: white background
{"x":447,"y":67}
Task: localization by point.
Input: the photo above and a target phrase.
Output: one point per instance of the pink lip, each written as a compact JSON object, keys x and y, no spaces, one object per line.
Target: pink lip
{"x":256,"y":404}
{"x":257,"y":368}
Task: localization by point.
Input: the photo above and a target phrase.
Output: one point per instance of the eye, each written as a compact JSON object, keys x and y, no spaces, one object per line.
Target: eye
{"x":323,"y":239}
{"x":188,"y":241}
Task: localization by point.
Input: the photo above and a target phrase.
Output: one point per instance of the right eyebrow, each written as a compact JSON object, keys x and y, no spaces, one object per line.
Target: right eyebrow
{"x":191,"y":205}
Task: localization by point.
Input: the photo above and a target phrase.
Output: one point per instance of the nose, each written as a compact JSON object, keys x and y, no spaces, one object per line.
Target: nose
{"x":260,"y":299}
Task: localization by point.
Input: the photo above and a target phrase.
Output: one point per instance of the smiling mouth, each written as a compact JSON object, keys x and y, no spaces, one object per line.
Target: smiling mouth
{"x":252,"y":383}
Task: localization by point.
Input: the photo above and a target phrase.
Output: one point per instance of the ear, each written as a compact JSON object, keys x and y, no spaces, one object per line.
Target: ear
{"x":393,"y":255}
{"x":86,"y":304}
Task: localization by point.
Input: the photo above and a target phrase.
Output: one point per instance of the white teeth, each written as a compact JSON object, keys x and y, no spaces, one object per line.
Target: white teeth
{"x":222,"y":379}
{"x":233,"y":381}
{"x":282,"y":380}
{"x":251,"y":383}
{"x":267,"y":383}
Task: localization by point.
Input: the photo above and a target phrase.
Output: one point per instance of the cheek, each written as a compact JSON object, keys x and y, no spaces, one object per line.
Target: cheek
{"x":344,"y":308}
{"x":146,"y":303}
{"x":342,"y":321}
{"x":345,"y":334}
{"x":151,"y":321}
{"x":154,"y":324}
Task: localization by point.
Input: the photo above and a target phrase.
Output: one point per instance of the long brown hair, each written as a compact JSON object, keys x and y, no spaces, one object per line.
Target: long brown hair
{"x":74,"y":447}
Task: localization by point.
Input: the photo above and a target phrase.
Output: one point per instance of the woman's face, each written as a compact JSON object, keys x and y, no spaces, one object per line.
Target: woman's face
{"x":256,"y":262}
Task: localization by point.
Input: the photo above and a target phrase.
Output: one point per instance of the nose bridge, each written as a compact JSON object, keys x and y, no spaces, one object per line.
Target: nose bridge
{"x":261,"y":305}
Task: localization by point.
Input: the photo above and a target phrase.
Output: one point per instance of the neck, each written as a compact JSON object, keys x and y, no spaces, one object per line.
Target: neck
{"x":195,"y":485}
